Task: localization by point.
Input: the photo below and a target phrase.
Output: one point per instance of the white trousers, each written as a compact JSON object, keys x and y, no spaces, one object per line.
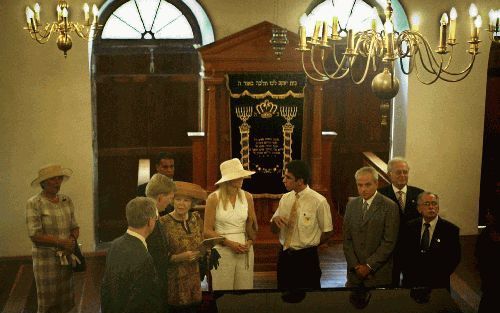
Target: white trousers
{"x":235,"y":271}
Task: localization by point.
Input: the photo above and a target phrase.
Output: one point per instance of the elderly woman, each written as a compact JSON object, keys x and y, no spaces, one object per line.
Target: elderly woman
{"x":53,"y":231}
{"x":230,"y":213}
{"x":161,"y":189}
{"x":184,"y":233}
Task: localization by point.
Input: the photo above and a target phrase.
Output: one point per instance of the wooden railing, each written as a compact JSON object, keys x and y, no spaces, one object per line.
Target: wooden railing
{"x":371,"y":159}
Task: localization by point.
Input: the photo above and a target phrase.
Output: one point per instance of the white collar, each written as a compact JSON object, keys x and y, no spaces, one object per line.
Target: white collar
{"x":432,"y":223}
{"x":138,"y":236}
{"x":303,"y":191}
{"x":396,"y":189}
{"x":371,"y":199}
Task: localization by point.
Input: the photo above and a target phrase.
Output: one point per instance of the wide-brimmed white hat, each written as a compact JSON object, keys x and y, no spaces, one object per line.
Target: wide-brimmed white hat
{"x":232,"y":169}
{"x":49,"y":171}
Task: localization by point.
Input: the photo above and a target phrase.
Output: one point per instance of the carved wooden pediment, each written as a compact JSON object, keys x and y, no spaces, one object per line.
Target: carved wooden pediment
{"x":250,"y":51}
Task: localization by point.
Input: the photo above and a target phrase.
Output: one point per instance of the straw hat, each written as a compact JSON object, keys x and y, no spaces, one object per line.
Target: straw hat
{"x":232,"y":169}
{"x":49,"y":171}
{"x":190,"y":190}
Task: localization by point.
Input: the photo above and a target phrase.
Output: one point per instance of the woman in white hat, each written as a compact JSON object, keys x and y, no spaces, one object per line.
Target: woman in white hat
{"x":184,"y":233}
{"x":230,"y":213}
{"x":53,"y":231}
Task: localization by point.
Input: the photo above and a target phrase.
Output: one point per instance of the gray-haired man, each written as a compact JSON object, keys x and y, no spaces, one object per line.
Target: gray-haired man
{"x":371,"y":225}
{"x":130,"y":282}
{"x":405,"y":197}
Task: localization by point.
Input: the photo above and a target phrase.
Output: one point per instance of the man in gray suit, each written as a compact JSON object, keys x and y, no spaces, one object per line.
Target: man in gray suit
{"x":371,"y":224}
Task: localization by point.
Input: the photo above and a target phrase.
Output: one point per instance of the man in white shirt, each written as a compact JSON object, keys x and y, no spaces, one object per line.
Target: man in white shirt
{"x":371,"y":224}
{"x":303,"y":221}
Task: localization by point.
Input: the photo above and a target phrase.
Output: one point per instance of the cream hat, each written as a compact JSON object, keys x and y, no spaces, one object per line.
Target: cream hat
{"x":232,"y":169}
{"x":190,"y":190}
{"x":49,"y":171}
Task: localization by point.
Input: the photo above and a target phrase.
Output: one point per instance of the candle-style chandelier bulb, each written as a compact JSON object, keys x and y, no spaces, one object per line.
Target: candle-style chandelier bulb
{"x":453,"y":14}
{"x":478,"y":22}
{"x":415,"y":22}
{"x":472,"y":10}
{"x":444,"y":19}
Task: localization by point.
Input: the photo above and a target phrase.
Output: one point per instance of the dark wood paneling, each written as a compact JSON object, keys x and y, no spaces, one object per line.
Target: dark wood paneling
{"x":117,"y":185}
{"x":174,"y":112}
{"x":489,"y":196}
{"x":122,"y":117}
{"x":165,"y":62}
{"x":139,"y":114}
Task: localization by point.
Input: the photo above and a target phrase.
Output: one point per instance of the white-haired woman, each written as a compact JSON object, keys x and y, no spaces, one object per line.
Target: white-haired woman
{"x":184,"y":233}
{"x":230,"y":213}
{"x":53,"y":231}
{"x":161,"y":189}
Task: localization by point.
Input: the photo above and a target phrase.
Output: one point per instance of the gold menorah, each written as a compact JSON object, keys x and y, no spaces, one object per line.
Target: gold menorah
{"x":288,"y":113}
{"x":244,"y":113}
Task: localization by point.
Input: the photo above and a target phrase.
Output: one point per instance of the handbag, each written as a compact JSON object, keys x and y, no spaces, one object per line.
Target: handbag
{"x":208,"y":261}
{"x":78,"y":262}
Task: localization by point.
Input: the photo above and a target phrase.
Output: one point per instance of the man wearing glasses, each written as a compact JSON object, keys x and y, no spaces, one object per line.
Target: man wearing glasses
{"x":406,"y":198}
{"x":430,"y":246}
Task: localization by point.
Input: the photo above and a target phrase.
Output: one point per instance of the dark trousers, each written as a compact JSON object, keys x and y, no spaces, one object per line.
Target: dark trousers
{"x":489,"y":302}
{"x":396,"y":266}
{"x":299,"y":269}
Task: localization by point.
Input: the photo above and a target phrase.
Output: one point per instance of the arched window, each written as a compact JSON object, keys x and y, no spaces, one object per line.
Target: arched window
{"x":353,"y":14}
{"x":146,"y":95}
{"x":158,"y":19}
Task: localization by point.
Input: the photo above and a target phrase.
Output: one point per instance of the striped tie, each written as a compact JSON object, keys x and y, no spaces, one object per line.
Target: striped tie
{"x":400,"y":200}
{"x":292,"y":221}
{"x":365,"y":209}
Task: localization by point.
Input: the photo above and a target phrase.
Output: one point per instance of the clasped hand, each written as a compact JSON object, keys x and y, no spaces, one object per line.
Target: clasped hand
{"x":362,"y":271}
{"x":68,"y":245}
{"x":237,"y":247}
{"x":189,"y":256}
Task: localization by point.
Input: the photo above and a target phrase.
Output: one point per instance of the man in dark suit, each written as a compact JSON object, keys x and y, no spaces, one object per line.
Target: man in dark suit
{"x":430,"y":246}
{"x":165,"y":164}
{"x":130,"y":283}
{"x":371,"y":224}
{"x":406,"y":198}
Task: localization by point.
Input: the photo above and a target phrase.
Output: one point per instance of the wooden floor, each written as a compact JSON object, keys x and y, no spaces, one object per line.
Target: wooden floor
{"x":18,"y":292}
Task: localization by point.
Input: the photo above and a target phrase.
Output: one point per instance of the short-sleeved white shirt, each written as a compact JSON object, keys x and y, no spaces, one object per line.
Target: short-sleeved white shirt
{"x":314,"y":218}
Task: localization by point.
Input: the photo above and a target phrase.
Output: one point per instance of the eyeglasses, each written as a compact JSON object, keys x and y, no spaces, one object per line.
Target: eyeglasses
{"x":427,"y":203}
{"x":401,"y":172}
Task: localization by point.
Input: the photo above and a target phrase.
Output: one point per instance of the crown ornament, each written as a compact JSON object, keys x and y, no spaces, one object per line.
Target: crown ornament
{"x":266,"y":109}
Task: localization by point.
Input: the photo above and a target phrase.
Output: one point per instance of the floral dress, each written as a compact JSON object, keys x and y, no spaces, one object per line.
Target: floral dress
{"x":183,"y":278}
{"x":54,"y":284}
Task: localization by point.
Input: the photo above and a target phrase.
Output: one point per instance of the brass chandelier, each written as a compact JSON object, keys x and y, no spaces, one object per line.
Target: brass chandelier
{"x":63,"y":26}
{"x":387,"y":46}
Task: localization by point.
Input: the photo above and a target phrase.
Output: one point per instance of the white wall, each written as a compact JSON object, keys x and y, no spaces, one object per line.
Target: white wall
{"x":45,"y":118}
{"x":445,"y":122}
{"x":46,"y":115}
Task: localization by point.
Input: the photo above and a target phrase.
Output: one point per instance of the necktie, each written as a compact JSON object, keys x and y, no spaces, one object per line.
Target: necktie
{"x":424,"y":243}
{"x":292,"y":221}
{"x":400,"y":200}
{"x":365,"y":209}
